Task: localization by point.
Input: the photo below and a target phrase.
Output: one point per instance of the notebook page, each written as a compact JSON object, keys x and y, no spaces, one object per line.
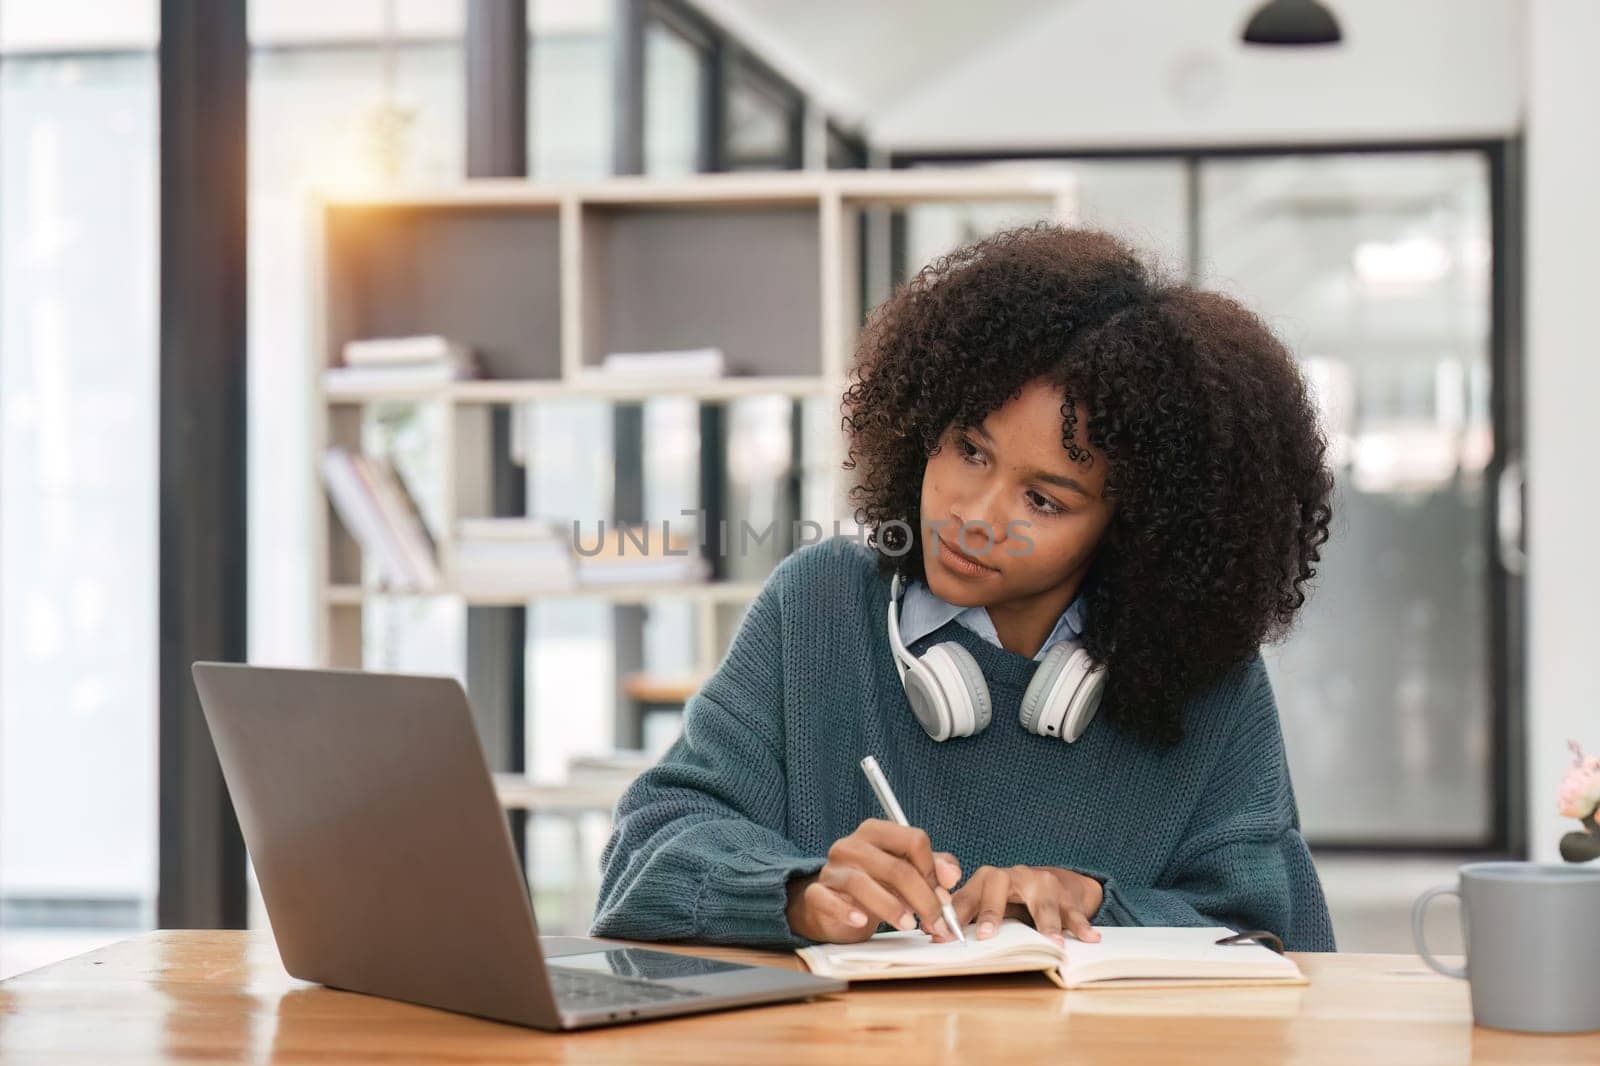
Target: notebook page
{"x":914,"y":950}
{"x":1172,"y":951}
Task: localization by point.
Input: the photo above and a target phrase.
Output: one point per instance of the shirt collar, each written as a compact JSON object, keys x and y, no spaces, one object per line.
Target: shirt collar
{"x":922,"y":611}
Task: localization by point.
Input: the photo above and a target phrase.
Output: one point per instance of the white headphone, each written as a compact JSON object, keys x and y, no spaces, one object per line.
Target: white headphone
{"x":950,"y":699}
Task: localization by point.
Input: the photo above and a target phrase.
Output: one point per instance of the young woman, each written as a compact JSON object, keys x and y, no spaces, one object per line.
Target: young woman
{"x":1091,"y":496}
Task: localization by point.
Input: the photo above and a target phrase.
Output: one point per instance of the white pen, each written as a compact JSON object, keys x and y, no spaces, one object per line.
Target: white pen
{"x":891,"y":807}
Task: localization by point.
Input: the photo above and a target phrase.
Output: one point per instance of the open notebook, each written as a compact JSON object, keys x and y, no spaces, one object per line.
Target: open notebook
{"x":1124,"y":957}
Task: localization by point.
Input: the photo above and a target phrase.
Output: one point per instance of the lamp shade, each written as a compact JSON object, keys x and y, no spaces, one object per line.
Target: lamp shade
{"x":1297,"y":22}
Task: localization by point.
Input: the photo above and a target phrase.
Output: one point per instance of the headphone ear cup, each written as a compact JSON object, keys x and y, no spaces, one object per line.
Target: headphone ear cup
{"x":1041,"y":685}
{"x":1058,"y":705}
{"x":974,"y":689}
{"x":961,"y":682}
{"x":1085,"y":702}
{"x":1064,"y":694}
{"x":927,"y":700}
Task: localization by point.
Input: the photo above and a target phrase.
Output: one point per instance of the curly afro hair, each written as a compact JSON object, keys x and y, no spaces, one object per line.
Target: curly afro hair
{"x":1215,"y":458}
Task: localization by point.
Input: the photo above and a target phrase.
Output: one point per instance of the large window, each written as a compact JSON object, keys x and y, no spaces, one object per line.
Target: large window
{"x":78,"y":453}
{"x":674,"y":82}
{"x":763,"y":120}
{"x":570,"y":79}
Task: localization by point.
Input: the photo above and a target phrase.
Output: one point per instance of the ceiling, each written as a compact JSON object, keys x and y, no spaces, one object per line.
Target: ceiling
{"x":941,"y":76}
{"x":860,"y":57}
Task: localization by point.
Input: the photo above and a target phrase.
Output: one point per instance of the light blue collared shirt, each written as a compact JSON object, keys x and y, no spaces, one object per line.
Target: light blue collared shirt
{"x":921,"y":612}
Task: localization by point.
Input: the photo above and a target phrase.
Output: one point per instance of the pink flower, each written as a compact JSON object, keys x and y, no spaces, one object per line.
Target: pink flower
{"x":1580,"y":789}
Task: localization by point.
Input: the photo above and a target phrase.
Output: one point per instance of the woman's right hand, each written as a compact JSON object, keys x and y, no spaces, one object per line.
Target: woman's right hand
{"x":881,"y":872}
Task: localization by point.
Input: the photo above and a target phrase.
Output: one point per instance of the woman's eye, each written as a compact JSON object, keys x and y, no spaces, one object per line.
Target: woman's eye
{"x":1044,"y":505}
{"x":968,"y":449}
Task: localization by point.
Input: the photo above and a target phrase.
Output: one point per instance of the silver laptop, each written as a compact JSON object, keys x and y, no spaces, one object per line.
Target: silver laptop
{"x":387,"y":867}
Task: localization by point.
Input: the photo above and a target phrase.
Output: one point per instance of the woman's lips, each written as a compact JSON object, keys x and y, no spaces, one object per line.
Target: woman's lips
{"x":960,"y":563}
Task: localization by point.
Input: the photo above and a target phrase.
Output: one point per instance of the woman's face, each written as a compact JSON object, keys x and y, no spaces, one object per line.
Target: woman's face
{"x":1033,"y":517}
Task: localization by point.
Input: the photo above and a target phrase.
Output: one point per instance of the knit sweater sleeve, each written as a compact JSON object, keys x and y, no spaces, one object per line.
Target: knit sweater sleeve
{"x":1242,"y":862}
{"x":697,"y":850}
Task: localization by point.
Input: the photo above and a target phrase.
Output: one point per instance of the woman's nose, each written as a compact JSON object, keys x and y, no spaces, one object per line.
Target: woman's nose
{"x":979,"y":531}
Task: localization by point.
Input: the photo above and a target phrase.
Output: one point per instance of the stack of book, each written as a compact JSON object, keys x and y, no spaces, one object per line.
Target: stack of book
{"x":401,"y":364}
{"x":631,"y":554}
{"x":374,"y":505}
{"x":506,"y":557}
{"x":686,"y":363}
{"x":510,"y":557}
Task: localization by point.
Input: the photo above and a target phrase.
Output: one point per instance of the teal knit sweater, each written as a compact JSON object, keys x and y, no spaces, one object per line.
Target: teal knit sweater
{"x":765,"y":777}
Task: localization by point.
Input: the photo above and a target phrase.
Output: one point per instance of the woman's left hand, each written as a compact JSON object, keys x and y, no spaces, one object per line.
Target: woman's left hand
{"x":1053,"y":897}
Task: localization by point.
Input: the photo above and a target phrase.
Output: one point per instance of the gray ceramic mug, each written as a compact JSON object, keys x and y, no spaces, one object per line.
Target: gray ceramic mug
{"x":1532,"y":937}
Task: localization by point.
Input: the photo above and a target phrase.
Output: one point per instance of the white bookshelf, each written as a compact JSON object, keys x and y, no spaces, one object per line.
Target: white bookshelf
{"x":491,"y":393}
{"x":707,"y":593}
{"x":543,"y":279}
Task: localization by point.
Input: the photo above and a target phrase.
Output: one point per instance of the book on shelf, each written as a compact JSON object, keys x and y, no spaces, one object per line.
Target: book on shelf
{"x":518,"y":529}
{"x":639,"y":553}
{"x":401,"y":364}
{"x":375,"y":507}
{"x":404,"y":351}
{"x":1123,"y":957}
{"x":358,"y":511}
{"x":400,"y":511}
{"x":508,"y":556}
{"x":491,"y":570}
{"x":689,"y":363}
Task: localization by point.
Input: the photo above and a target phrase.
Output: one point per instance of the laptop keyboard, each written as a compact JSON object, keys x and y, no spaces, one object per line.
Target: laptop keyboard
{"x":575,"y":989}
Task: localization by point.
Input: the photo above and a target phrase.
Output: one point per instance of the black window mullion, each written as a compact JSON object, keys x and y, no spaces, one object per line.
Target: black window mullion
{"x":497,"y":49}
{"x":204,"y":63}
{"x":628,"y":102}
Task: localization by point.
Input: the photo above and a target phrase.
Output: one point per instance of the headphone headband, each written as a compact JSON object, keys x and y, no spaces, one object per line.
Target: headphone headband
{"x":902,"y":657}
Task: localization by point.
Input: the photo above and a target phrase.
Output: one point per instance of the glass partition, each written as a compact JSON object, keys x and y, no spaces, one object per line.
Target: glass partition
{"x":1374,"y":269}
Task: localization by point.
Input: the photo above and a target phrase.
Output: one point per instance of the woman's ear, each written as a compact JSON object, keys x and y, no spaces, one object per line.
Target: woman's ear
{"x":1108,"y":496}
{"x":894,"y":537}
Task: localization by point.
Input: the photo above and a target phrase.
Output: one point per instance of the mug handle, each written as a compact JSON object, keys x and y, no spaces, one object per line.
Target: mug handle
{"x":1419,"y":910}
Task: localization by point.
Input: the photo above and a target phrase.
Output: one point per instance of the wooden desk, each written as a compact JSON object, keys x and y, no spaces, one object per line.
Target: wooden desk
{"x":224,"y":997}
